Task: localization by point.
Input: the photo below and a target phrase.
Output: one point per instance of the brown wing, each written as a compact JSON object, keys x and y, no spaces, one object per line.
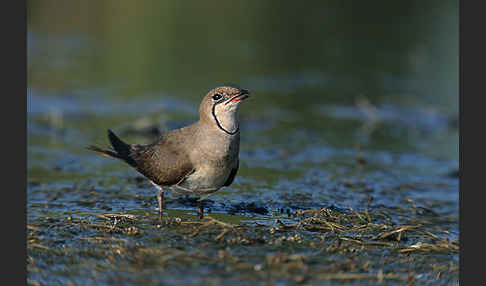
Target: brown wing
{"x":164,"y":162}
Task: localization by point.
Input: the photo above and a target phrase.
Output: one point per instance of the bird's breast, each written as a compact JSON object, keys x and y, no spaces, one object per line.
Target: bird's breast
{"x":213,"y":158}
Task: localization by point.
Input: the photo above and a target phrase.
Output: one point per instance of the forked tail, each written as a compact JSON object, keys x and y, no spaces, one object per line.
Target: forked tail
{"x":122,"y":149}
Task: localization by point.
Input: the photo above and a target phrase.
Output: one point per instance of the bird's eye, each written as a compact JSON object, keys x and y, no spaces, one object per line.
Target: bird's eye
{"x":217,"y":96}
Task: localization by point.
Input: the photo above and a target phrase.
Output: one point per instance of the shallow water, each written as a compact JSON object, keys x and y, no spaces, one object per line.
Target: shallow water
{"x":361,"y":136}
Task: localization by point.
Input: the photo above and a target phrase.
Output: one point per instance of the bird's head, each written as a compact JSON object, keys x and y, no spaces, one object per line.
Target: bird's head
{"x":220,"y":107}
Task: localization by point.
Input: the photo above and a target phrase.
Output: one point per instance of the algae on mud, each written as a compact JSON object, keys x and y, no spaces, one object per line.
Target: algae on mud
{"x":313,"y":245}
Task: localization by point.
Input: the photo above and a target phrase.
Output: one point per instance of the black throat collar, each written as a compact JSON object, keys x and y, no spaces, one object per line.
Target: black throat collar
{"x":219,"y":124}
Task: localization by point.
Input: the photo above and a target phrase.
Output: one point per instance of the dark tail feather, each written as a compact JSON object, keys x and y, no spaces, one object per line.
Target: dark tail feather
{"x":122,"y":149}
{"x":103,"y":152}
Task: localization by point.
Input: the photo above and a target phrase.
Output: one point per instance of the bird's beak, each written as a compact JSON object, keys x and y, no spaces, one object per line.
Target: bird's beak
{"x":242,"y":95}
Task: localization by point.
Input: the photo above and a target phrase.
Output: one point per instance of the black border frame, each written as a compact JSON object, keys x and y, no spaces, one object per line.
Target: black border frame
{"x":14,"y":142}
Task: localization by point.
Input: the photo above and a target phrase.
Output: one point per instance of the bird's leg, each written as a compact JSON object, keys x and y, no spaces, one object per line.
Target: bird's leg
{"x":160,"y":199}
{"x":200,"y":212}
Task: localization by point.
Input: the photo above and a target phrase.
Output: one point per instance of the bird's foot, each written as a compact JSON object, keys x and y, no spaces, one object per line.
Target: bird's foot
{"x":200,"y":211}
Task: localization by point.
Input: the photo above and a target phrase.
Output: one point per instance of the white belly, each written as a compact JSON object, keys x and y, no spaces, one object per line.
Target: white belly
{"x":203,"y":181}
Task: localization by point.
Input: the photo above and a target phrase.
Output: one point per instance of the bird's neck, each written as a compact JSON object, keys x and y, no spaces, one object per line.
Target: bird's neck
{"x":227,"y":121}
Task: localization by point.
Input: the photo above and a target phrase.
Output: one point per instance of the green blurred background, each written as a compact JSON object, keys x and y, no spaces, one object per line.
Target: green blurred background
{"x":336,"y":50}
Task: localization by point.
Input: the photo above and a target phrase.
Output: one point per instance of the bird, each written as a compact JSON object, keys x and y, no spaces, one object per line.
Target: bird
{"x":197,"y":159}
